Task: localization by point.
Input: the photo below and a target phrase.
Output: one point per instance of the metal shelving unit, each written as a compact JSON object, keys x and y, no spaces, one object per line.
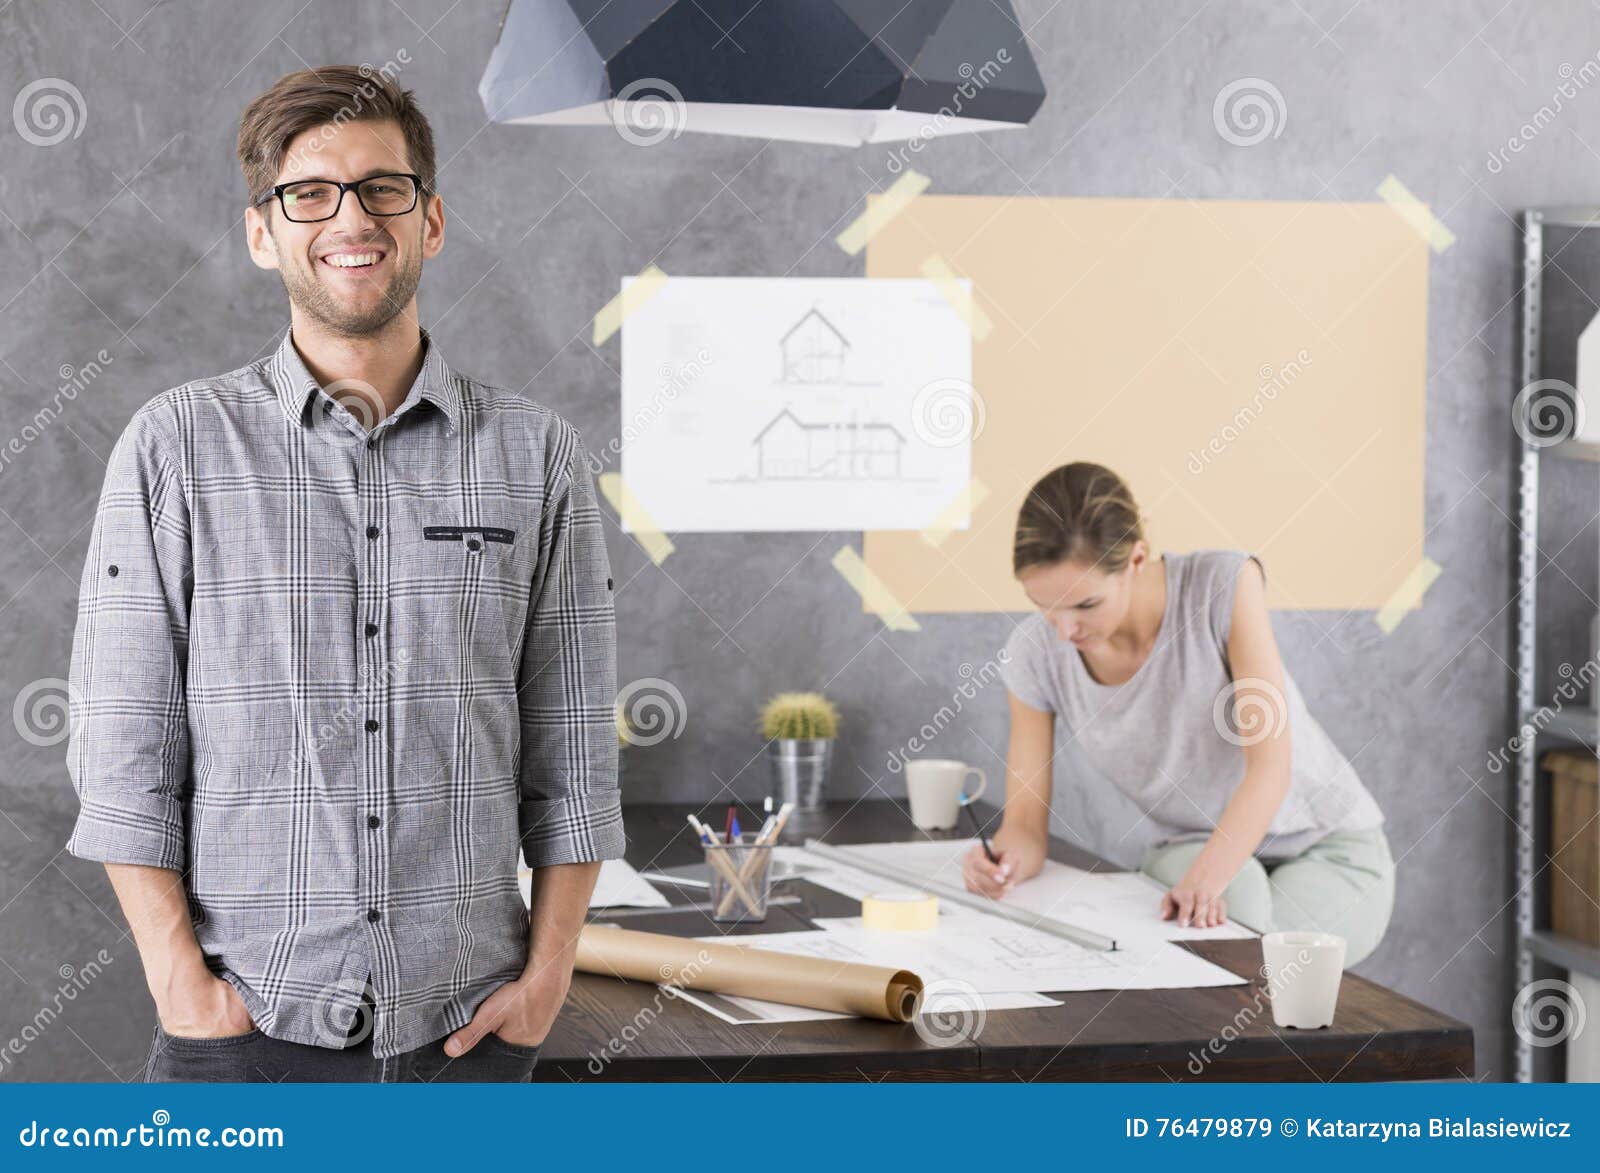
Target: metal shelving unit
{"x":1571,"y":726}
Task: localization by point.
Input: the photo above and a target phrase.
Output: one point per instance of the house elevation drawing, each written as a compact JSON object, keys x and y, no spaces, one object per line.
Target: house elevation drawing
{"x":768,"y":404}
{"x":812,"y":350}
{"x":789,"y":448}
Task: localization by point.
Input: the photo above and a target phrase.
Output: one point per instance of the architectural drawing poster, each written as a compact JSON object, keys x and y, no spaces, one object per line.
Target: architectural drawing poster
{"x":754,"y":403}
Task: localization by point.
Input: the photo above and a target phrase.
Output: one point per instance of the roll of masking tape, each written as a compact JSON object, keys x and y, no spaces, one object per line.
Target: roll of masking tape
{"x":900,"y":912}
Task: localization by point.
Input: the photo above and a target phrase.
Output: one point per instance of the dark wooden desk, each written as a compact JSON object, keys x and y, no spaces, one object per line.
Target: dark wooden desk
{"x":1110,"y":1035}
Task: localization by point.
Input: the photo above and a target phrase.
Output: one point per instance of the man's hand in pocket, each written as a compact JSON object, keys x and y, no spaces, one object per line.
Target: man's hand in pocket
{"x":205,"y":1007}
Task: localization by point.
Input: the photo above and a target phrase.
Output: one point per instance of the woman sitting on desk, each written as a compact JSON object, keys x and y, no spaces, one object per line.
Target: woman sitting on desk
{"x":1166,"y":673}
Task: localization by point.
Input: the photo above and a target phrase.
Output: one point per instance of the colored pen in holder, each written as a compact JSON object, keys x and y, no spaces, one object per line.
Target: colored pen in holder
{"x":740,"y":876}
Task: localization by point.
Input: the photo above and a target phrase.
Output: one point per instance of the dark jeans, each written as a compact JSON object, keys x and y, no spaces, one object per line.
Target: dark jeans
{"x":258,"y":1058}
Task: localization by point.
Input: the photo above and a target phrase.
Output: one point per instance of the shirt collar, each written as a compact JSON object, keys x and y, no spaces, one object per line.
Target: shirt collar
{"x":295,"y":384}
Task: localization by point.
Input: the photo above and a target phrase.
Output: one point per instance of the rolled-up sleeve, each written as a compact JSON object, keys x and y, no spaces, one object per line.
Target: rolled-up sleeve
{"x":570,"y":807}
{"x":128,"y":747}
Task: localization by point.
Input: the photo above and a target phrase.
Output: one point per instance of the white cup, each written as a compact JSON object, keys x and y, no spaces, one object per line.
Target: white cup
{"x":1303,"y":972}
{"x":934,"y":787}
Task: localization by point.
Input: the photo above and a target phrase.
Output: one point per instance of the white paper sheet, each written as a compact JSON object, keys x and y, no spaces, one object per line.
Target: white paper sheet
{"x":750,"y":1011}
{"x":762,"y":404}
{"x":619,"y":886}
{"x":826,"y":873}
{"x":992,"y":956}
{"x":1123,"y":905}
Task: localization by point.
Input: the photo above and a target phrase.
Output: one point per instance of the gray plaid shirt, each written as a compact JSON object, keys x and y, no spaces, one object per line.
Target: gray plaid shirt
{"x":334,"y":677}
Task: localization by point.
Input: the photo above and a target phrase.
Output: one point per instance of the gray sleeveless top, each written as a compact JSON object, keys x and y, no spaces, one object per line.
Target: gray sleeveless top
{"x":1169,"y":737}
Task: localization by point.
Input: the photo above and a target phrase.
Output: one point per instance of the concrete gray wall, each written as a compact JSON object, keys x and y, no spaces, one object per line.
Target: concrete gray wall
{"x":125,"y":237}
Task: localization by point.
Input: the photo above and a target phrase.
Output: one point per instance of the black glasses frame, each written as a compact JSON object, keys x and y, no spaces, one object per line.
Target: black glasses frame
{"x":354,"y":185}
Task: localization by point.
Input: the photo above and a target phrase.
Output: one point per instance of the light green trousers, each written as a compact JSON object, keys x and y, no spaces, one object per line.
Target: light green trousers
{"x":1343,"y":883}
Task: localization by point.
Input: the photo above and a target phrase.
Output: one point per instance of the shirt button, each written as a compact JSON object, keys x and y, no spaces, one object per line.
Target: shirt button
{"x":372,"y":725}
{"x":373,"y":915}
{"x":372,"y":531}
{"x":373,"y":820}
{"x":112,"y":570}
{"x":371,"y":629}
{"x":473,"y":543}
{"x":372,"y":441}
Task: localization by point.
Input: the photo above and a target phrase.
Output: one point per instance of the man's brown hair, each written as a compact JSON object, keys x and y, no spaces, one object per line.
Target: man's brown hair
{"x":331,"y":95}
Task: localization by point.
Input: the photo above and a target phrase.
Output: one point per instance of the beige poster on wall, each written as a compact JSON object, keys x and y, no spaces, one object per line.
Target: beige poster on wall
{"x":1256,"y":371}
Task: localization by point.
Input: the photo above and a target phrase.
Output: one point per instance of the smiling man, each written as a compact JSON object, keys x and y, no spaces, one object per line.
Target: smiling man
{"x":345,"y":640}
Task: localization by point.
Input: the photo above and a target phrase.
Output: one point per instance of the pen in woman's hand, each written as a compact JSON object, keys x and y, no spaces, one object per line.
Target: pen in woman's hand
{"x":982,"y":839}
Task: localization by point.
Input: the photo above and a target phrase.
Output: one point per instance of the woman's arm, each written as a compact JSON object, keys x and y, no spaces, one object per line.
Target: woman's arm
{"x":1022,"y":841}
{"x":1261,"y":710}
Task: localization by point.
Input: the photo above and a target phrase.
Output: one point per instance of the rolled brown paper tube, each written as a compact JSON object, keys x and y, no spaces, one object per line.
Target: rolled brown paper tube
{"x":872,"y":991}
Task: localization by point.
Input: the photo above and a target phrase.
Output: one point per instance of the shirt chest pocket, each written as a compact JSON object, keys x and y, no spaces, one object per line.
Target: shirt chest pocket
{"x":465,"y":586}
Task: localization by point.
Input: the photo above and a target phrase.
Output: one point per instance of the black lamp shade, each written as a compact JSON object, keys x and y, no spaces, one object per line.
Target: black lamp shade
{"x":828,"y":71}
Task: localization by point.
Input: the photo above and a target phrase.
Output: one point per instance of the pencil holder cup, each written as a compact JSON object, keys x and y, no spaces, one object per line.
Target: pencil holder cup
{"x":740,"y":877}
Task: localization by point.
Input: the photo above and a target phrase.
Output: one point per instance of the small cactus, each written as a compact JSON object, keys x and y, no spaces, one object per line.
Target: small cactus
{"x":799,"y":716}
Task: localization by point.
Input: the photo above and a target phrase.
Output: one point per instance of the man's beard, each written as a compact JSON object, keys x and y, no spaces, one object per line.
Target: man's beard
{"x":316,"y":301}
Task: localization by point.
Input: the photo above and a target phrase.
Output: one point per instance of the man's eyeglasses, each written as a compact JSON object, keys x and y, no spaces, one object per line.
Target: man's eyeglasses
{"x":310,"y":200}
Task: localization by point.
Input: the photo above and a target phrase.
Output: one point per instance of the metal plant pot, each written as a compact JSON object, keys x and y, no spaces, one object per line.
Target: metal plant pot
{"x":800,"y":770}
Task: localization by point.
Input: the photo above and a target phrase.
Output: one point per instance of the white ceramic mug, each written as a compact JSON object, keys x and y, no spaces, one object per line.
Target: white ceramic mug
{"x":934,"y":787}
{"x":1303,"y":972}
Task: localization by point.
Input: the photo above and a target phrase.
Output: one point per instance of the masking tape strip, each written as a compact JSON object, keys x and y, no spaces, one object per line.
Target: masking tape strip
{"x":634,"y":294}
{"x":1415,"y":213}
{"x":634,"y":519}
{"x":958,"y":295}
{"x":882,"y":210}
{"x":1408,"y":596}
{"x":873,"y":593}
{"x":900,"y":912}
{"x":960,"y":508}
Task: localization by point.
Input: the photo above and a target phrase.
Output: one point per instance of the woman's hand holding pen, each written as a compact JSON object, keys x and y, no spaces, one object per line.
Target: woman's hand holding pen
{"x":1019,"y":855}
